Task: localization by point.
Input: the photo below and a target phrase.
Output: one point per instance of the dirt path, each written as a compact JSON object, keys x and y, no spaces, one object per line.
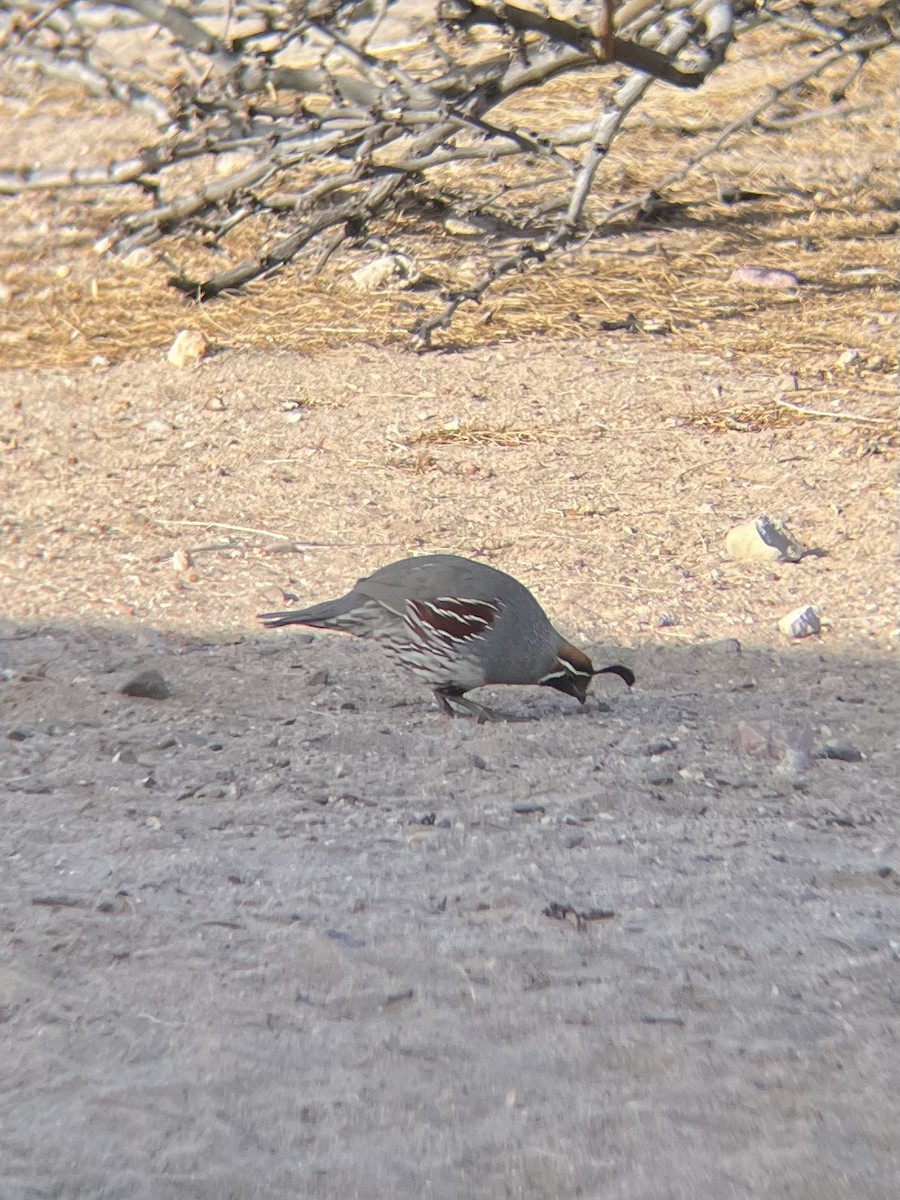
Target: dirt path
{"x":276,"y":937}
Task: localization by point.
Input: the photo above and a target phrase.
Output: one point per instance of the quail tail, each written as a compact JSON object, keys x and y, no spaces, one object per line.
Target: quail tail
{"x":332,"y":614}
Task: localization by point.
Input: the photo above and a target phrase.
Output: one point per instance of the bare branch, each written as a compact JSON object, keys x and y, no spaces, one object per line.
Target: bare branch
{"x":336,"y":133}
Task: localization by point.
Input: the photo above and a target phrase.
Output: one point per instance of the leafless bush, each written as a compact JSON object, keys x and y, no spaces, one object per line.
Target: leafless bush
{"x":343,"y":113}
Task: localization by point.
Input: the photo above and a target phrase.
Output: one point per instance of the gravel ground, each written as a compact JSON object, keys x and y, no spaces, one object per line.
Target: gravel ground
{"x":288,"y":932}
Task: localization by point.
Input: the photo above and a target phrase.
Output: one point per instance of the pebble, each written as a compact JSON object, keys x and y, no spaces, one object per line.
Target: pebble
{"x":660,"y":745}
{"x":763,"y":277}
{"x":726,"y":645}
{"x":396,"y":269}
{"x":789,"y":746}
{"x":526,"y":807}
{"x":148,"y":685}
{"x":138,"y":259}
{"x":849,"y":358}
{"x":801,"y":623}
{"x":459,"y":227}
{"x":182,"y":561}
{"x":189,"y":347}
{"x":763,"y":540}
{"x":19,"y":734}
{"x":840,"y":751}
{"x":157,"y":430}
{"x":660,"y":778}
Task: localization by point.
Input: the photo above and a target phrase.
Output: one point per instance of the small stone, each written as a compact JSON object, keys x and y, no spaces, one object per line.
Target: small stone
{"x":19,"y":734}
{"x":138,"y":259}
{"x":189,"y":347}
{"x":763,"y":277}
{"x":660,"y":745}
{"x":791,"y":747}
{"x":802,"y":622}
{"x":660,"y":778}
{"x":527,"y":807}
{"x":840,"y":751}
{"x":215,"y":404}
{"x":397,"y":270}
{"x":849,"y":358}
{"x":423,"y":839}
{"x":148,"y":685}
{"x":666,"y":620}
{"x":157,"y":429}
{"x":459,"y":227}
{"x":182,"y":561}
{"x":726,"y":645}
{"x":763,"y":540}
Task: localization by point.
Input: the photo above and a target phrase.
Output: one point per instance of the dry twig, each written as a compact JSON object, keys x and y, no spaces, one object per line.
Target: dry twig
{"x":338,"y":137}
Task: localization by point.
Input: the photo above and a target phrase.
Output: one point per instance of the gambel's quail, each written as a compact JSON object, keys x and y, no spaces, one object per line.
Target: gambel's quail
{"x":458,"y":625}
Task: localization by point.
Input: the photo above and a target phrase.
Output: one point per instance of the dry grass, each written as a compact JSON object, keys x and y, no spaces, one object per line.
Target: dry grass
{"x":827,"y":212}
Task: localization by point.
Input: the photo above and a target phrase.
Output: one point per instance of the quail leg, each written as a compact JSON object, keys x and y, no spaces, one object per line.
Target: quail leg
{"x":477,"y":710}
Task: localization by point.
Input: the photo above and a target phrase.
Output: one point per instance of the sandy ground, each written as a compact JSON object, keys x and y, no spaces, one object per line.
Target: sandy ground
{"x":291,"y":933}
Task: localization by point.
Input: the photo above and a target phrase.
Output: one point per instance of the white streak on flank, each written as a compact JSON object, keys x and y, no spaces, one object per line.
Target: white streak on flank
{"x":467,"y":618}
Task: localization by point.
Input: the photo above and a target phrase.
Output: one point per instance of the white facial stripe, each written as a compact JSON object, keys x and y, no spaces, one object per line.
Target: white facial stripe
{"x":572,"y":669}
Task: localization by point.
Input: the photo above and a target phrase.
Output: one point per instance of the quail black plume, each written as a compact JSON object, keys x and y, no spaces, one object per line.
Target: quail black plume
{"x":458,"y":625}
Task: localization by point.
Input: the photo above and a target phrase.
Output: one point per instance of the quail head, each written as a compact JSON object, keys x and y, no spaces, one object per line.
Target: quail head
{"x":458,"y":625}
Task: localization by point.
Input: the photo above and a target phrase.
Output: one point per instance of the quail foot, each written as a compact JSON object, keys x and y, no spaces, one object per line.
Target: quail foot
{"x":458,"y":625}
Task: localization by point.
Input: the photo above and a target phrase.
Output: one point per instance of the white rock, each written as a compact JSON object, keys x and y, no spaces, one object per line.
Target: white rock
{"x":763,"y":540}
{"x":462,"y":228}
{"x":763,"y":277}
{"x":849,"y":358}
{"x":157,"y":429}
{"x":182,"y":561}
{"x":800,"y":623}
{"x":138,"y":259}
{"x":397,"y":270}
{"x":189,"y":347}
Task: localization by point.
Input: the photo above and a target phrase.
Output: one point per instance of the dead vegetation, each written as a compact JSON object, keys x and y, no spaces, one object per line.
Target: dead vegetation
{"x":695,"y":181}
